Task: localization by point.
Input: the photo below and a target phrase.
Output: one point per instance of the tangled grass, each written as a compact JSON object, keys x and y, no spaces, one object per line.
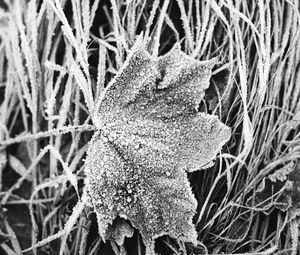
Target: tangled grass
{"x":56,"y":58}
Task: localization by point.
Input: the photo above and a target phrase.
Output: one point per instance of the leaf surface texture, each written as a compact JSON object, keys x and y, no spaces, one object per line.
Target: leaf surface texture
{"x":150,"y":135}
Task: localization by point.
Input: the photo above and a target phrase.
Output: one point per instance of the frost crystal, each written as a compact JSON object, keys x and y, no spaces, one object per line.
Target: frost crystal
{"x":151,"y":134}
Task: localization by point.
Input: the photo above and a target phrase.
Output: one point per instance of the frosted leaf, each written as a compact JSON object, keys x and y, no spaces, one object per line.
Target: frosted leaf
{"x":282,"y":173}
{"x":151,"y":134}
{"x":159,"y":205}
{"x":278,"y":190}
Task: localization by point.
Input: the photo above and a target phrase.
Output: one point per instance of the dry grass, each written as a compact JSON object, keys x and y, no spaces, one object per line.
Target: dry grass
{"x":57,"y":56}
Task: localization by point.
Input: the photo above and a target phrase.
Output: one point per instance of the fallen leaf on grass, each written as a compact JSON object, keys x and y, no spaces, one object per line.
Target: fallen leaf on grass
{"x":150,"y":135}
{"x":279,"y":189}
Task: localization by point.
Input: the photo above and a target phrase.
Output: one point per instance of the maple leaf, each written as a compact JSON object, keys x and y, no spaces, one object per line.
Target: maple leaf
{"x":151,"y":134}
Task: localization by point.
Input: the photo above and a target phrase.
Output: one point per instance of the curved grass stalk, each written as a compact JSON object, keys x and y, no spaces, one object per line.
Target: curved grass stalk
{"x":44,"y":134}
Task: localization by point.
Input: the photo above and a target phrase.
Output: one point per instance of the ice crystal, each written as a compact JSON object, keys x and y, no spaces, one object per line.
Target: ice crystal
{"x":151,"y":134}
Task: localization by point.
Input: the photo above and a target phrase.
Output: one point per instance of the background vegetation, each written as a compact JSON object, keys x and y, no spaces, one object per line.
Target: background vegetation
{"x":57,"y":56}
